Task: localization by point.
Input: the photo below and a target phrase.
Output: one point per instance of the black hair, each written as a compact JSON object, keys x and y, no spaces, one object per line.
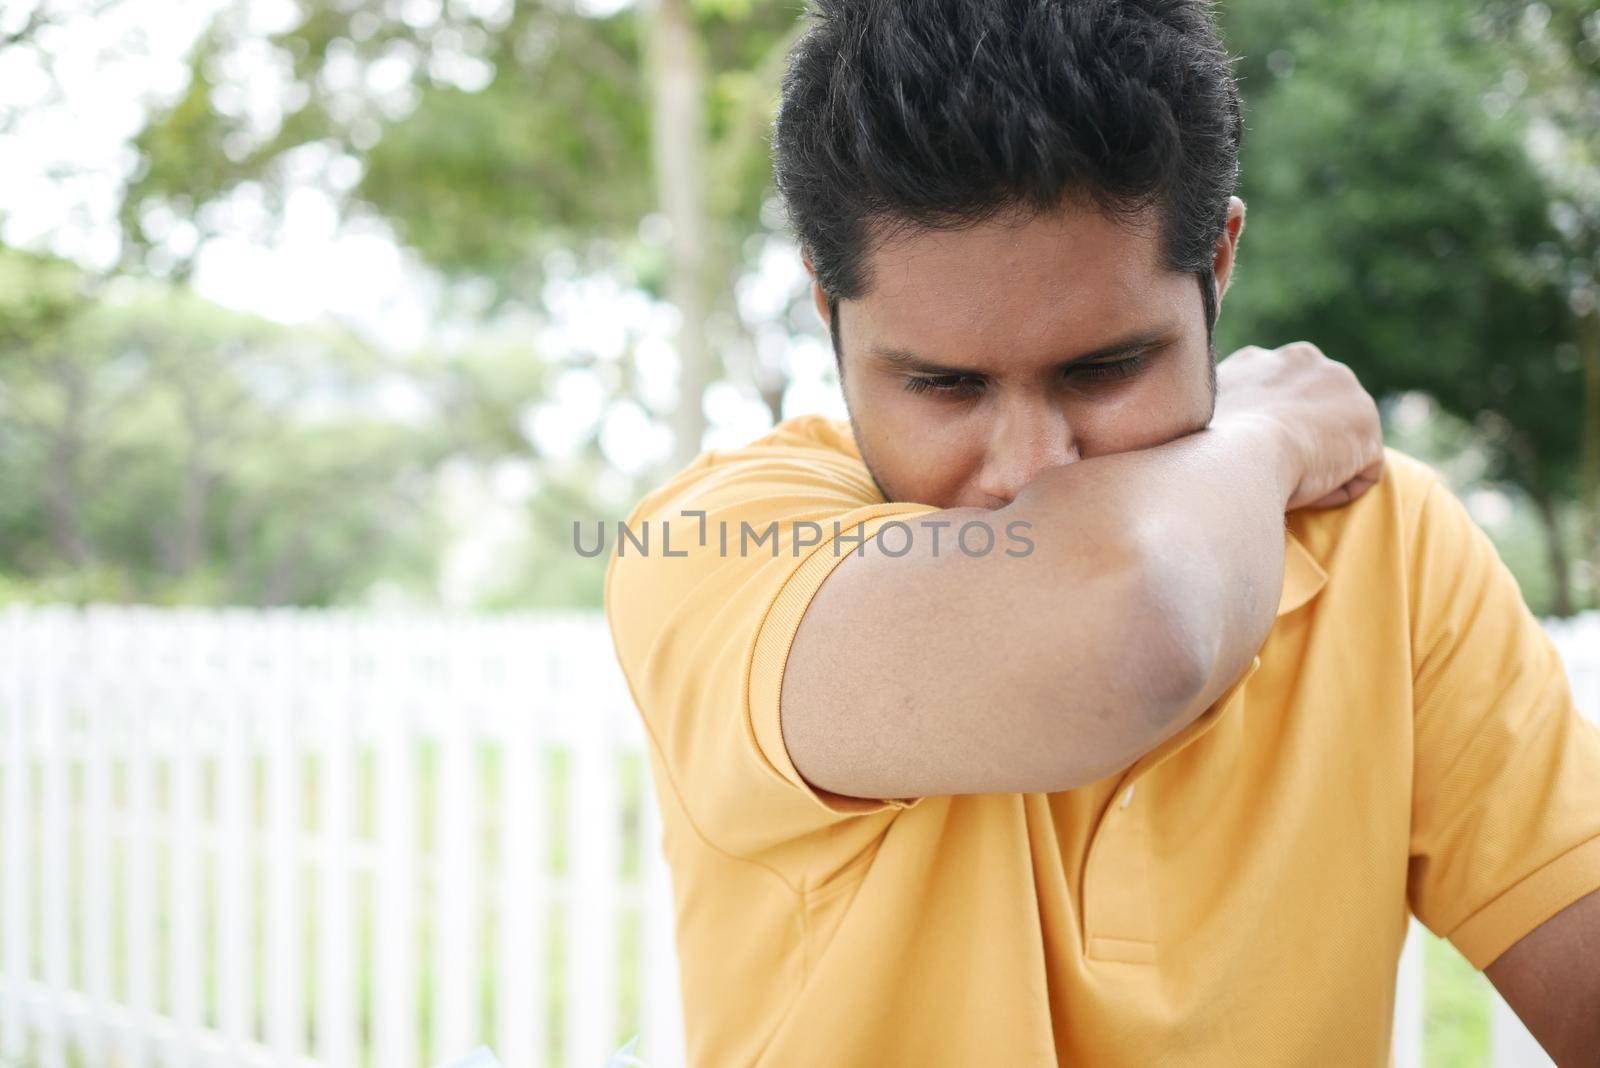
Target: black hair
{"x":941,"y":114}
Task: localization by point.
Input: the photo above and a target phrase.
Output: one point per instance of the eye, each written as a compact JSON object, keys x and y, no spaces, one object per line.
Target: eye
{"x":959,"y":386}
{"x":1111,"y":369}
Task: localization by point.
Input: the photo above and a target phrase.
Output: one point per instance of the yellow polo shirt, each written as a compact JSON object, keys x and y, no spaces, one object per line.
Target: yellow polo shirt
{"x":1404,"y":742}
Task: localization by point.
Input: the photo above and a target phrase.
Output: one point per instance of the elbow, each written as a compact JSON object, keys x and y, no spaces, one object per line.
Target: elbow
{"x":1142,"y":696}
{"x":1166,"y":620}
{"x":1175,"y":648}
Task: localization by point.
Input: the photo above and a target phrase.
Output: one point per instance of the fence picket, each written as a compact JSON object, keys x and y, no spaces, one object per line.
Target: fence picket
{"x":18,"y":914}
{"x":99,"y":736}
{"x":336,"y":1014}
{"x":188,"y":714}
{"x":1408,"y":1001}
{"x":455,"y":874}
{"x":285,"y":1007}
{"x":592,"y":847}
{"x":235,"y":867}
{"x":662,"y":1041}
{"x":138,"y":845}
{"x":53,"y":852}
{"x":395,"y":885}
{"x":524,"y":904}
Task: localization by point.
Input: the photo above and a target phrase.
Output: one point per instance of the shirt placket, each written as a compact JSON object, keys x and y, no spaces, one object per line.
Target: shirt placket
{"x":1118,"y":901}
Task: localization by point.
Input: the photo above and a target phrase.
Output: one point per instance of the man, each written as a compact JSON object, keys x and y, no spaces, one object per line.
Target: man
{"x":1147,"y":773}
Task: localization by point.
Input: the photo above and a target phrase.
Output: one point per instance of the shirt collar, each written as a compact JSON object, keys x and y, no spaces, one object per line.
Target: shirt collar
{"x":1303,"y":577}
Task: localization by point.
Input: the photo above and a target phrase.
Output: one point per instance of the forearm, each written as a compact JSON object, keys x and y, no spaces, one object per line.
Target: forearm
{"x":1042,"y":670}
{"x":1203,"y":517}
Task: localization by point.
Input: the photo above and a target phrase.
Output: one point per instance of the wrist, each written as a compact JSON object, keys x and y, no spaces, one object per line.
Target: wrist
{"x":1271,"y":443}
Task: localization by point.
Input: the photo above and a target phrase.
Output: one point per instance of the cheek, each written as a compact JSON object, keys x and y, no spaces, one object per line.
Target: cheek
{"x":1171,"y":400}
{"x":918,"y":447}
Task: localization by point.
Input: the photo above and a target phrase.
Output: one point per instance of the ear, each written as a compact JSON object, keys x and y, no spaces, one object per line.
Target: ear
{"x":1227,"y":250}
{"x":818,"y":297}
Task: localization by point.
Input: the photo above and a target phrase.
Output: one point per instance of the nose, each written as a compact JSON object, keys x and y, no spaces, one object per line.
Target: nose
{"x":1027,"y":437}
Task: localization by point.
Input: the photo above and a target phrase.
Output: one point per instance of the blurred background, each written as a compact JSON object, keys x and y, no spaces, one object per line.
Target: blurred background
{"x":339,"y":313}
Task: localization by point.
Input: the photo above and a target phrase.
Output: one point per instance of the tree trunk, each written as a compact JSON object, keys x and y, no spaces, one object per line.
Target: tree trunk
{"x":1589,"y":339}
{"x":188,"y":546}
{"x":282,"y":583}
{"x":1560,"y":569}
{"x":63,"y":503}
{"x":678,"y":145}
{"x":241,"y":531}
{"x":772,"y":389}
{"x":193,"y":514}
{"x":63,"y":498}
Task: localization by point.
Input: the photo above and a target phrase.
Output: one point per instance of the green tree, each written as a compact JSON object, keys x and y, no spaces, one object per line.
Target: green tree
{"x":489,"y":140}
{"x":1399,"y":220}
{"x":156,"y":447}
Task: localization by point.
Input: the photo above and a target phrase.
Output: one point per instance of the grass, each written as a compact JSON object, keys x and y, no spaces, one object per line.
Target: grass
{"x":1456,"y":1008}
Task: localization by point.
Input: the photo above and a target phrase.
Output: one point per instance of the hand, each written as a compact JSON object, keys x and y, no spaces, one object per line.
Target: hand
{"x":1326,"y":423}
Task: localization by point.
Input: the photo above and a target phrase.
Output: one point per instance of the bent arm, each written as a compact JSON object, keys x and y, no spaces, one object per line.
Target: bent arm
{"x":1550,"y":979}
{"x":1153,"y":578}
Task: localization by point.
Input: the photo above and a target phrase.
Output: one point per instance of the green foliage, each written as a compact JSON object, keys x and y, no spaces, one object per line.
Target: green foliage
{"x":159,"y":448}
{"x":550,"y":152}
{"x":1407,"y":232}
{"x":553,"y":152}
{"x":1398,"y":219}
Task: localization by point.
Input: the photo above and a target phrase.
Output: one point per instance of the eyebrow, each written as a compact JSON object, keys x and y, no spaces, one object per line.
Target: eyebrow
{"x":911,"y":361}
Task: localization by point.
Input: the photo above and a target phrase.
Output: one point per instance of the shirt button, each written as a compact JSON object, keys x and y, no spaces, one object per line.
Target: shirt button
{"x":1127,"y":798}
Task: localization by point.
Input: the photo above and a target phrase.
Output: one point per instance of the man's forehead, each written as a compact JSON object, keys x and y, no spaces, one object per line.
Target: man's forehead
{"x":1070,"y":248}
{"x":1024,"y":326}
{"x":1079,"y":279}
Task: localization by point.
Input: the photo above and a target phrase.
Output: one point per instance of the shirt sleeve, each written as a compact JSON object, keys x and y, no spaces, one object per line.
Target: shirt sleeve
{"x":702,"y":626}
{"x":1505,"y":824}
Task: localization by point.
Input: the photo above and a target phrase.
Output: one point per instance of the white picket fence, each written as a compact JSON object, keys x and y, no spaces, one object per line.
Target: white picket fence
{"x":323,"y":839}
{"x":297,"y":838}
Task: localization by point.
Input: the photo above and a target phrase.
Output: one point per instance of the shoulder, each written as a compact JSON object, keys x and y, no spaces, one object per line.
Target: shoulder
{"x":806,"y":453}
{"x":1408,"y":543}
{"x":1384,"y":519}
{"x":1411,"y":482}
{"x":1395,"y":542}
{"x":804,"y":468}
